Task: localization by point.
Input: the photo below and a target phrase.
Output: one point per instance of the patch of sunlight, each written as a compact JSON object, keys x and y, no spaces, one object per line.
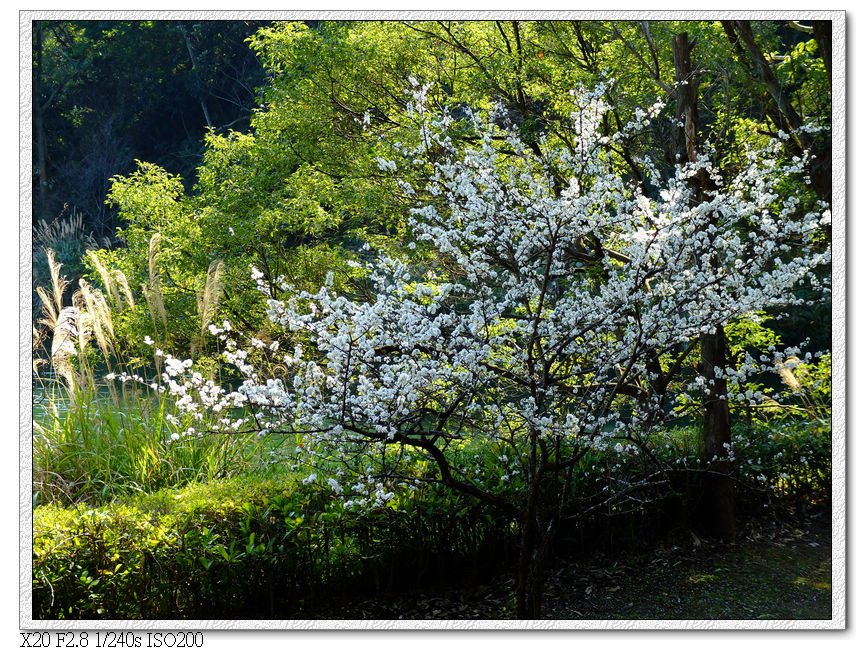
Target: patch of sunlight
{"x":702,"y":578}
{"x":814,"y":584}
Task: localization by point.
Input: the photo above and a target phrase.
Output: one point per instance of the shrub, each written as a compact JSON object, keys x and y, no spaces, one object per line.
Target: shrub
{"x":791,"y":462}
{"x":243,"y":547}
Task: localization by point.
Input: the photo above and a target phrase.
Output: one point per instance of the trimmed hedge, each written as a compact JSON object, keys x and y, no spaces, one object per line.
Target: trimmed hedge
{"x":245,"y":548}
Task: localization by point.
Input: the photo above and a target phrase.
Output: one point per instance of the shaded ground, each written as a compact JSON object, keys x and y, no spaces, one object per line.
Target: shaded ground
{"x":776,"y":571}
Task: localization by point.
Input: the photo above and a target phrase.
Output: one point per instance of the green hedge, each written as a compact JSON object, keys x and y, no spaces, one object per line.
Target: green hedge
{"x":243,"y":548}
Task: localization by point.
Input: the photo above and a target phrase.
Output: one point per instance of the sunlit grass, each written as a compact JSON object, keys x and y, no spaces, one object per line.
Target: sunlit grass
{"x":96,"y":445}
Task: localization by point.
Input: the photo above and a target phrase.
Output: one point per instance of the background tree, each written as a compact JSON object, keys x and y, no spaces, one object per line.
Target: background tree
{"x":720,"y":501}
{"x":108,"y":92}
{"x":781,"y":89}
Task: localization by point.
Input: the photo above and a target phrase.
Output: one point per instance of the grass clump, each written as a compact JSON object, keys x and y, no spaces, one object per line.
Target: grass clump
{"x":100,"y":444}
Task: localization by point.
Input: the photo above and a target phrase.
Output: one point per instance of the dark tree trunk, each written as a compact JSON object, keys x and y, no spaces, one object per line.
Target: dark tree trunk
{"x":528,"y":591}
{"x":538,"y":528}
{"x":684,"y":141}
{"x":719,"y":503}
{"x":535,"y":541}
{"x":527,"y":605}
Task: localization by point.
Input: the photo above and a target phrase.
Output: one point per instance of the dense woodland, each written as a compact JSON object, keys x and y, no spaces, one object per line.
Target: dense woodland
{"x":324,"y":305}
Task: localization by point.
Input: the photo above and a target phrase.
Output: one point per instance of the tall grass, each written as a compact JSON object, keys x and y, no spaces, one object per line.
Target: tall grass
{"x":95,"y":439}
{"x":100,"y":444}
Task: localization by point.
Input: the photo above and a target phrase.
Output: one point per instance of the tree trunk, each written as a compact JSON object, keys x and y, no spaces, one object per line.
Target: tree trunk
{"x":526,"y":605}
{"x":684,"y":141}
{"x":535,"y":541}
{"x":719,"y":503}
{"x":538,"y":528}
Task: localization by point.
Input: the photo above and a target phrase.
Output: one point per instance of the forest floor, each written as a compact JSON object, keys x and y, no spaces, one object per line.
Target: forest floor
{"x":777,"y":569}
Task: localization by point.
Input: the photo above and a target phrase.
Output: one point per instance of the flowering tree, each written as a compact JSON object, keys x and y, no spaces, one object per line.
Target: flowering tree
{"x":547,"y":313}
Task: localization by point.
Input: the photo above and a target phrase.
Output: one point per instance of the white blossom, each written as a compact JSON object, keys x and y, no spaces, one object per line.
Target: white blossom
{"x":552,"y":301}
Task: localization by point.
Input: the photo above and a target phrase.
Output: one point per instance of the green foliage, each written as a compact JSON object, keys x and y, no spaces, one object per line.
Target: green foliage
{"x":95,"y":438}
{"x":791,"y":462}
{"x":228,"y":531}
{"x":810,"y":384}
{"x":299,"y":193}
{"x":796,"y":391}
{"x":152,"y":203}
{"x":750,"y":335}
{"x":803,"y":73}
{"x":776,"y":461}
{"x":259,"y":547}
